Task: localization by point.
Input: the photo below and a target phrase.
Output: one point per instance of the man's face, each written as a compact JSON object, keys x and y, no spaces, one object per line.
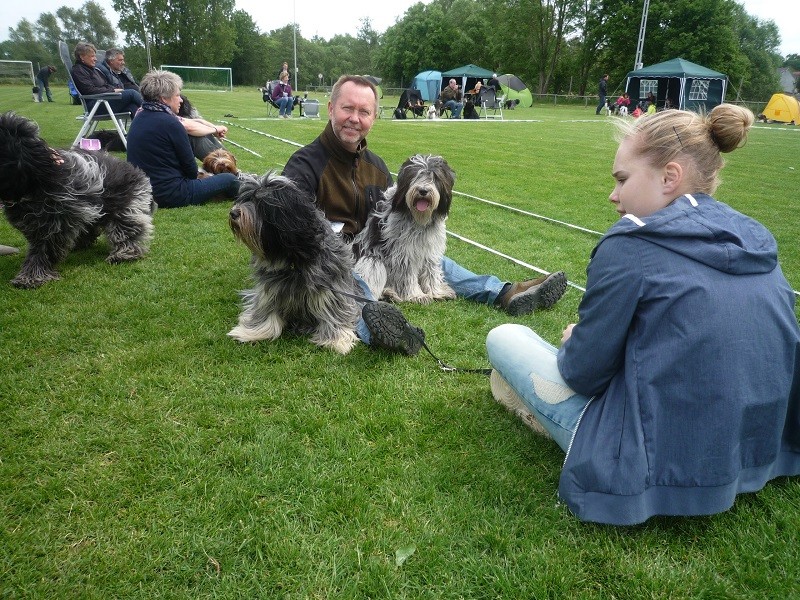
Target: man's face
{"x":453,"y":83}
{"x":353,"y":114}
{"x":117,"y":63}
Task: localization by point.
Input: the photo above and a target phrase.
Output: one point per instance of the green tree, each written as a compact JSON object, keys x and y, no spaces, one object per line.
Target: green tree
{"x":24,"y":45}
{"x":187,"y":32}
{"x":248,"y":58}
{"x":88,"y":23}
{"x":758,"y":43}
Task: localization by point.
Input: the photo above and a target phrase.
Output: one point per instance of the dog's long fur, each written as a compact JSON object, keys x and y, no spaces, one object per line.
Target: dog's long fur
{"x":399,"y":251}
{"x":299,"y":267}
{"x":62,"y":206}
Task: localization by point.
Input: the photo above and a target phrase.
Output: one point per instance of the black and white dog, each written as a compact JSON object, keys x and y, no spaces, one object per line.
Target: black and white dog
{"x":399,"y":251}
{"x":300,"y":267}
{"x":62,"y":199}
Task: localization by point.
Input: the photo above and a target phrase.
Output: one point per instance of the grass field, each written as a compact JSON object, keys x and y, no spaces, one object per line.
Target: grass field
{"x":143,"y":454}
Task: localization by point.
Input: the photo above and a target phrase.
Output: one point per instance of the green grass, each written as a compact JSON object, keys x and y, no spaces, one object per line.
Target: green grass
{"x":143,"y":454}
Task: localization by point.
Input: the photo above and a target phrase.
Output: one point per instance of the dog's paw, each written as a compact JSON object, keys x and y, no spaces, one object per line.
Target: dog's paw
{"x":30,"y":282}
{"x":270,"y":329}
{"x":343,"y":343}
{"x":444,"y":293}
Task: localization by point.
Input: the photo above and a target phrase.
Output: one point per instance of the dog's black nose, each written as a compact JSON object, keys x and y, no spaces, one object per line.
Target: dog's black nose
{"x":424,"y":192}
{"x":235,"y":213}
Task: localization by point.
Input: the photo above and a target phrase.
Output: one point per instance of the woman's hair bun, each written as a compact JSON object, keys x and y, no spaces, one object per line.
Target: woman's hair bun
{"x":728,"y":125}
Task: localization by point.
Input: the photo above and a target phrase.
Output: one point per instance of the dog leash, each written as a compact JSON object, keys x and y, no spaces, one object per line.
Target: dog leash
{"x":442,"y":365}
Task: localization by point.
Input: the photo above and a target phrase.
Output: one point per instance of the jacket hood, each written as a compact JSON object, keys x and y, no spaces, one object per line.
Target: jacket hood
{"x":707,"y":231}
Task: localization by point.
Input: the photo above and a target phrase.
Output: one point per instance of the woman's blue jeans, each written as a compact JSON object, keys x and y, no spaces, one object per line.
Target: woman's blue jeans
{"x":223,"y":184}
{"x":528,"y":365}
{"x":285,"y":105}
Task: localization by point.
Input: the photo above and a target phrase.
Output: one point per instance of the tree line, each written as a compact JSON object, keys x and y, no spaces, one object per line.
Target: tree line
{"x":555,"y":46}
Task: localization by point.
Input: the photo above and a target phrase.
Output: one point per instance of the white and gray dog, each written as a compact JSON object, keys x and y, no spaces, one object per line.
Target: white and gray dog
{"x":300,"y":267}
{"x":62,"y":199}
{"x":399,"y":252}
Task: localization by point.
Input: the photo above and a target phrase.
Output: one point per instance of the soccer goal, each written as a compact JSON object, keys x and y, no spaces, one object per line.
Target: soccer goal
{"x":17,"y":71}
{"x":218,"y":79}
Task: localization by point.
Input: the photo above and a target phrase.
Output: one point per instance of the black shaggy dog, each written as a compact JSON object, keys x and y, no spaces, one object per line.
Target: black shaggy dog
{"x":299,"y":267}
{"x":62,"y":199}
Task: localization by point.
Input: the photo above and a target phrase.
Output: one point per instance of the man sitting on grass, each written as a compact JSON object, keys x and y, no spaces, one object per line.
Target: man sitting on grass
{"x":347,"y":179}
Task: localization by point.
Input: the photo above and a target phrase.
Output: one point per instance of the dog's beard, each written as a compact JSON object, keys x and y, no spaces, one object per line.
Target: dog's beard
{"x":246,"y":228}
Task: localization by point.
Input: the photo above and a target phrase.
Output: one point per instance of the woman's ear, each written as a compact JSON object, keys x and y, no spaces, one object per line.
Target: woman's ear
{"x":672,"y":177}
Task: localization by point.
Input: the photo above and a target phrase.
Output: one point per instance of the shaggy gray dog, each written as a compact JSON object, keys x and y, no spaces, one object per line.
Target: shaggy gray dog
{"x":399,"y":251}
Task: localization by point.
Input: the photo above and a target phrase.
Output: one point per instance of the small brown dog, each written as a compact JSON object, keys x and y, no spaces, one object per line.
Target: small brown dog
{"x":220,"y":161}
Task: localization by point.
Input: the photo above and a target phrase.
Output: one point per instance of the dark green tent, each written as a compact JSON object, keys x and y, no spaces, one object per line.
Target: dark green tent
{"x":468,"y":75}
{"x":684,"y":84}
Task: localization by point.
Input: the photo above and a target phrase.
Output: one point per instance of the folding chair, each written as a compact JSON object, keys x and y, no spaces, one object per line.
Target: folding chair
{"x":266,"y":96}
{"x":411,"y":100}
{"x":92,"y":105}
{"x":445,"y":112}
{"x":490,"y":101}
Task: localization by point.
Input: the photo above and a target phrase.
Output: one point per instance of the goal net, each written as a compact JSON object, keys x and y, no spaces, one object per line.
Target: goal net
{"x":17,"y":71}
{"x":203,"y":78}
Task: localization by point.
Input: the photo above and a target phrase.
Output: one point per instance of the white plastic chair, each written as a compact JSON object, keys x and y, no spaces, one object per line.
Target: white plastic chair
{"x":92,"y":116}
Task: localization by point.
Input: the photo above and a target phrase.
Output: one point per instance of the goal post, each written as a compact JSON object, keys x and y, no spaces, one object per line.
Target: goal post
{"x":17,"y":71}
{"x":203,"y":78}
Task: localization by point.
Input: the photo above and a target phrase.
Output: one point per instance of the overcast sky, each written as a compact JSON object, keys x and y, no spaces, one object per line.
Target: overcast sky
{"x":326,"y":18}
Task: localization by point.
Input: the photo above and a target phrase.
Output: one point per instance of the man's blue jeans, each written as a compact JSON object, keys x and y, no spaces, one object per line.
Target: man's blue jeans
{"x":455,"y":108}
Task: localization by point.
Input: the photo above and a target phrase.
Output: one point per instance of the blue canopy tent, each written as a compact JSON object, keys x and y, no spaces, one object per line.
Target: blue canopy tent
{"x":685,"y":84}
{"x":427,"y":83}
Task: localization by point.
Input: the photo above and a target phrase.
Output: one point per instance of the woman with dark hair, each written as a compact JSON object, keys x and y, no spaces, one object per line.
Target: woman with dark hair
{"x":159,"y":145}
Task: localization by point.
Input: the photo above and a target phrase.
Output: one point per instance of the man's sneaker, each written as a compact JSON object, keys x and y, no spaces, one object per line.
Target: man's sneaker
{"x":527,"y":296}
{"x":390,"y":329}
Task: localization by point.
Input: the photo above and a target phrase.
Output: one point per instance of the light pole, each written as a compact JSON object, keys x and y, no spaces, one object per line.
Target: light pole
{"x":294,"y":41}
{"x":637,"y":63}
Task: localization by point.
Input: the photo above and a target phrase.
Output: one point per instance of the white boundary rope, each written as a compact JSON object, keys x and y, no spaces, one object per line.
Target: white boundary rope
{"x":232,"y":143}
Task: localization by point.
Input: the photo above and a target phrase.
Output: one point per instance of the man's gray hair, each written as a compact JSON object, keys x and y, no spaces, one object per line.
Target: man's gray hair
{"x":358,"y":80}
{"x":112,"y":53}
{"x":160,"y":84}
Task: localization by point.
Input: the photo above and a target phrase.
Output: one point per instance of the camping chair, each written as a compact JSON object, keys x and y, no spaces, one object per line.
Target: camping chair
{"x":266,"y":96}
{"x":95,"y":107}
{"x":490,"y":101}
{"x":445,"y":112}
{"x":411,"y":100}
